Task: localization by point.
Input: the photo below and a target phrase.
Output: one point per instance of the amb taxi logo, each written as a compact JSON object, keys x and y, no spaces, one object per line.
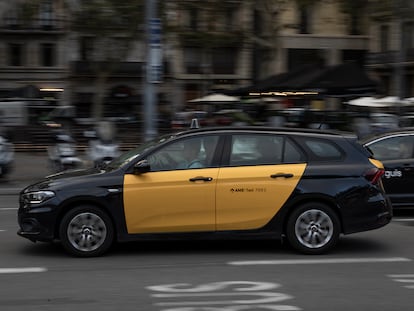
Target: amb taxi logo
{"x":232,"y":190}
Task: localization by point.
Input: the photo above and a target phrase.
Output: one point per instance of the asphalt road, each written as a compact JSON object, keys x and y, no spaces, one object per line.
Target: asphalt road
{"x":367,"y":271}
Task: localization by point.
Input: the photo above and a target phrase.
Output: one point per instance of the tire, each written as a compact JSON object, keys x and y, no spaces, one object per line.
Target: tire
{"x":313,"y":228}
{"x":86,"y":231}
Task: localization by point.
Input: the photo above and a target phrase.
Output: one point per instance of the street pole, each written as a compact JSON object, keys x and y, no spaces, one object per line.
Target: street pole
{"x":400,"y":54}
{"x":152,"y":69}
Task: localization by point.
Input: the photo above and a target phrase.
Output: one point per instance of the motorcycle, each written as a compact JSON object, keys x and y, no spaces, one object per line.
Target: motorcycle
{"x":6,"y":156}
{"x":62,"y":154}
{"x":102,"y":147}
{"x":101,"y":152}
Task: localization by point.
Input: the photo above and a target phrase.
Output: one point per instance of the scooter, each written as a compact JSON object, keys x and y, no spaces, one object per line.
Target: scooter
{"x":101,"y":152}
{"x":6,"y":156}
{"x":103,"y":148}
{"x":62,"y":154}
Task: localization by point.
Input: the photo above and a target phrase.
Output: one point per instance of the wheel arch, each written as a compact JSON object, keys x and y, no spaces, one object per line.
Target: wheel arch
{"x":326,"y":200}
{"x":66,"y":207}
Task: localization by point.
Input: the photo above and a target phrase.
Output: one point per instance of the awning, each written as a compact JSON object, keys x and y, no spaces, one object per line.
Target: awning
{"x":344,"y":80}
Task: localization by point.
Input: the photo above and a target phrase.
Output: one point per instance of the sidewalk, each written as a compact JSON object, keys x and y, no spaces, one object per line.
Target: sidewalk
{"x":28,"y":167}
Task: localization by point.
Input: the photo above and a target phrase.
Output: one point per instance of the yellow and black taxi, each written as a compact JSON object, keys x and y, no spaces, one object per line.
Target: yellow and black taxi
{"x":307,"y":186}
{"x":395,"y":149}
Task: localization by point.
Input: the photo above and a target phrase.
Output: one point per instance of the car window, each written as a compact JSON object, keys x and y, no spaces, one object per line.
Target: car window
{"x":393,"y":148}
{"x":256,"y":150}
{"x":189,"y":153}
{"x":130,"y":155}
{"x":323,"y":149}
{"x":291,"y":153}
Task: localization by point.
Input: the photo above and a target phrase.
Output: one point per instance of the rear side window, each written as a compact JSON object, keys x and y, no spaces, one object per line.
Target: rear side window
{"x":323,"y":149}
{"x":259,"y":149}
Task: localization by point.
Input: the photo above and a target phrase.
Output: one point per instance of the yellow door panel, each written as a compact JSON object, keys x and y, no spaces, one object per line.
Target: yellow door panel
{"x":248,"y":197}
{"x":169,"y":202}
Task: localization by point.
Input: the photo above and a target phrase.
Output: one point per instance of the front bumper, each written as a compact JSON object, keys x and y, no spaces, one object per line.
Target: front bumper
{"x":37,"y":224}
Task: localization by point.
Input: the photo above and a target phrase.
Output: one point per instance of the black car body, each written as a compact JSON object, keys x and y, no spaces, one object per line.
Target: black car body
{"x":395,"y":149}
{"x":306,"y":185}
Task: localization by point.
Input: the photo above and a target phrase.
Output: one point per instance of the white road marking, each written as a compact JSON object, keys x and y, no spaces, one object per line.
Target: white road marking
{"x":8,"y":208}
{"x":258,"y":298}
{"x":317,"y":261}
{"x":403,"y":278}
{"x":22,"y":270}
{"x":403,"y":219}
{"x":1,"y":230}
{"x":238,"y":296}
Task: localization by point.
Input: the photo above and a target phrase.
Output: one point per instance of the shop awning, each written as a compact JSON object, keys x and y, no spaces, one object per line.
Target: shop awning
{"x":344,"y":80}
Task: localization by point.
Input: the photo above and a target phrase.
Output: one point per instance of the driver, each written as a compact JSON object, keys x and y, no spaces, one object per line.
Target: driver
{"x":190,"y":154}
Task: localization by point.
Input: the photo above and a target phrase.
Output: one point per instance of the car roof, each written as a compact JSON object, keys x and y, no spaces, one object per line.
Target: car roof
{"x":405,"y":130}
{"x":266,"y":129}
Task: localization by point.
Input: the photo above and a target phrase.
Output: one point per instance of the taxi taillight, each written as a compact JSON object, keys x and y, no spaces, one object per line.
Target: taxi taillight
{"x":374,"y":174}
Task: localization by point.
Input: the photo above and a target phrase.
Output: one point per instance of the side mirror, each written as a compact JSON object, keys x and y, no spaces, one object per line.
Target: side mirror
{"x":142,"y":167}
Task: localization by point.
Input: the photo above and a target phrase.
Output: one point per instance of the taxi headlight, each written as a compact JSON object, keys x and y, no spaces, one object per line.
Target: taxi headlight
{"x":37,"y":196}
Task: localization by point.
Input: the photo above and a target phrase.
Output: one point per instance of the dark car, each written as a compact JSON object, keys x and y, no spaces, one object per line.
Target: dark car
{"x":395,"y":150}
{"x":306,"y":185}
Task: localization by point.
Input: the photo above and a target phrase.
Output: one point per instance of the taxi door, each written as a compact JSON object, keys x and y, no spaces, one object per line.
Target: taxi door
{"x":172,"y":201}
{"x":171,"y":198}
{"x":253,"y":188}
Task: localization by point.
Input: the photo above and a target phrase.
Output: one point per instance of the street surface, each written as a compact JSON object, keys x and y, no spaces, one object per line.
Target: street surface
{"x":367,"y":271}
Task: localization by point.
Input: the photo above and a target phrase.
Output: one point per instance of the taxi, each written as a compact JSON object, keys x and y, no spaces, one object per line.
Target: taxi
{"x":304,"y":186}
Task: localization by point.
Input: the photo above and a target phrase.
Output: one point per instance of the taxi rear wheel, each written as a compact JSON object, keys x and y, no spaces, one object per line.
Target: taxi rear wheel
{"x":86,"y":231}
{"x":313,"y":228}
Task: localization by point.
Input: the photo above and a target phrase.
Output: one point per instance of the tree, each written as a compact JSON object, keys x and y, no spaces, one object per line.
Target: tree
{"x":355,"y":9}
{"x":266,"y":34}
{"x":112,"y":26}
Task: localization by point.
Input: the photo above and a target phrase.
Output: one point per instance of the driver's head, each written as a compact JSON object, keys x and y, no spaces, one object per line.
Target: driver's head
{"x":191,"y":148}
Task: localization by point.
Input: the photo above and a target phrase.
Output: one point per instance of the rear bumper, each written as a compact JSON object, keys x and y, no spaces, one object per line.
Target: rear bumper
{"x":375,"y":214}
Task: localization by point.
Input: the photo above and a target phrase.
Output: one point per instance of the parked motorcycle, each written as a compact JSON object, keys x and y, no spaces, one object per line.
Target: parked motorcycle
{"x":62,"y":154}
{"x":102,"y":147}
{"x":102,"y":152}
{"x":6,"y":156}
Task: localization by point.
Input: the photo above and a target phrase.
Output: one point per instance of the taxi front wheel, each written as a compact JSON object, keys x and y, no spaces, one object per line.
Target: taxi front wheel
{"x":313,"y":228}
{"x":86,"y":231}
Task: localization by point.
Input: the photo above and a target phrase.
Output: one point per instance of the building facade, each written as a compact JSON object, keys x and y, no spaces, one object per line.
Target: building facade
{"x":207,"y":46}
{"x":34,"y":54}
{"x":391,"y":57}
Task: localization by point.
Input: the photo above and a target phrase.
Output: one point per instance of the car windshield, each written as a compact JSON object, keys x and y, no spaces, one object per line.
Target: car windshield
{"x":130,"y":155}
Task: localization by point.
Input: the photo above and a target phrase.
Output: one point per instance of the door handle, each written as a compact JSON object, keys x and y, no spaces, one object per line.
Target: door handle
{"x":285,"y":175}
{"x":201,"y":178}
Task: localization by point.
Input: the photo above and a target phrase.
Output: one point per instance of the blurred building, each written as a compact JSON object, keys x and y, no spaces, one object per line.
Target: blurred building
{"x":391,"y":57}
{"x":34,"y":53}
{"x":207,"y":46}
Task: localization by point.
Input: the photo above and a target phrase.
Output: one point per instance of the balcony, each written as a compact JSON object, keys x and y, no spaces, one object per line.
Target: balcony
{"x":13,"y":25}
{"x":389,"y":57}
{"x":121,"y":69}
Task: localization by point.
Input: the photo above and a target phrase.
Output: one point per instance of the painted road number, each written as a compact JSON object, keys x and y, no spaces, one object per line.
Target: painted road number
{"x":220,"y":296}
